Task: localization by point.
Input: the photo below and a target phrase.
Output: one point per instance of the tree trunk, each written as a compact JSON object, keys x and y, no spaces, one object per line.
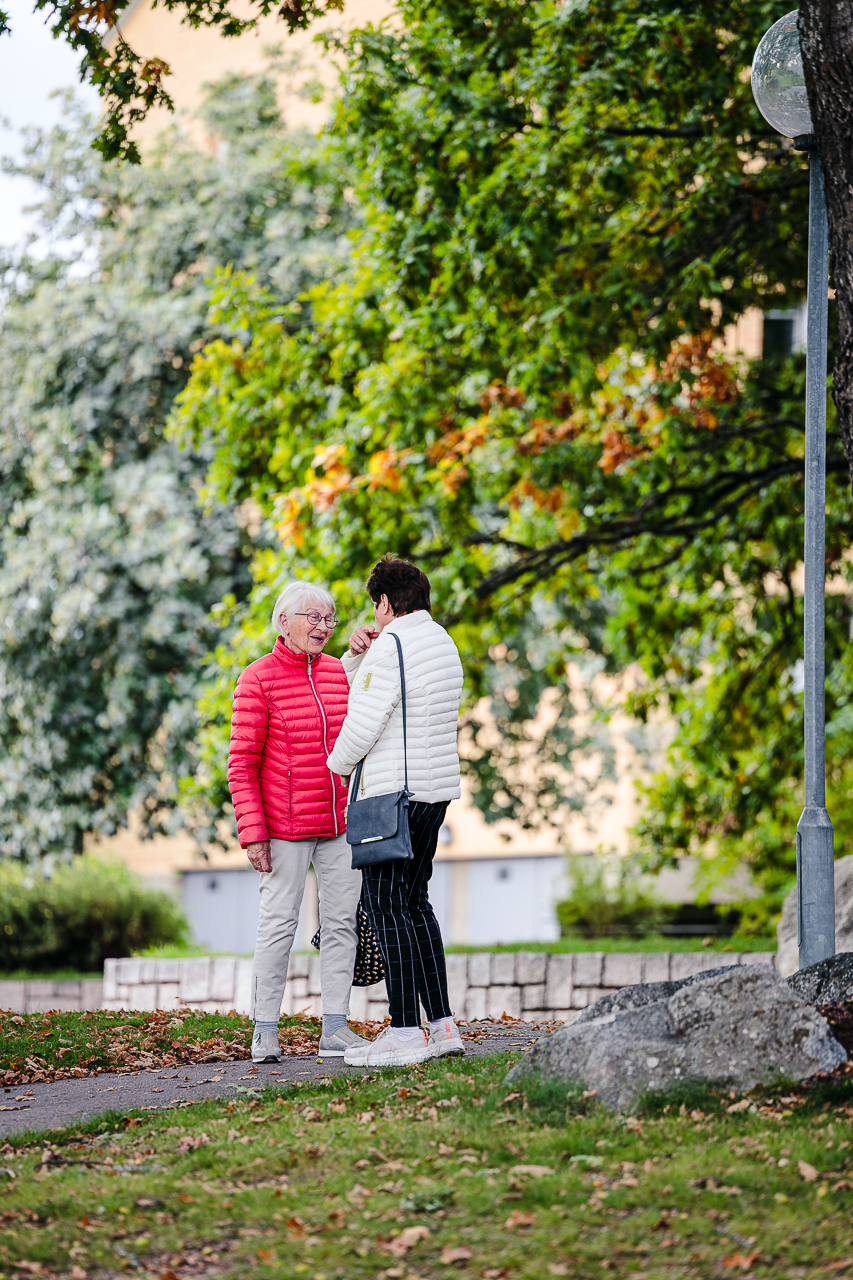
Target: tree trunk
{"x":826,"y":38}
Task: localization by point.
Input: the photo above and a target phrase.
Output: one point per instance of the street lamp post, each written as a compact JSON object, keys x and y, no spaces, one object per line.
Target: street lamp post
{"x":780,"y":94}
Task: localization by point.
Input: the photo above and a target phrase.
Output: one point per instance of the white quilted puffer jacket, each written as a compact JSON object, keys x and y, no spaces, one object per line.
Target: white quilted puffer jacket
{"x":373,"y":727}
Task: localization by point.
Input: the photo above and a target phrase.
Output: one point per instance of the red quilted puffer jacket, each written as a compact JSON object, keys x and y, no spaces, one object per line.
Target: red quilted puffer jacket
{"x":287,"y":714}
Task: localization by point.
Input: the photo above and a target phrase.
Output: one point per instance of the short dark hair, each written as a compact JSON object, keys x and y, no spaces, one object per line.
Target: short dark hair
{"x":406,"y":586}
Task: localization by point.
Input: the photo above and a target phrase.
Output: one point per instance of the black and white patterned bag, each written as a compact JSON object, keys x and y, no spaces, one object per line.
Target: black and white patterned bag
{"x":369,"y":967}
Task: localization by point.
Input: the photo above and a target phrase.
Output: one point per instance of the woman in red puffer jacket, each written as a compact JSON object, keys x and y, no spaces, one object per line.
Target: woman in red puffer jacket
{"x":288,"y":710}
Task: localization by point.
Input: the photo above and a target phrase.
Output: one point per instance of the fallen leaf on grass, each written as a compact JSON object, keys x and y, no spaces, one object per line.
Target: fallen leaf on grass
{"x":807,"y":1171}
{"x":558,"y":1269}
{"x":495,"y":1273}
{"x":77,"y":1273}
{"x":532,"y":1170}
{"x":406,"y":1240}
{"x":518,"y":1220}
{"x":743,"y":1105}
{"x":741,"y":1261}
{"x":358,"y":1194}
{"x":843,"y":1185}
{"x":841,"y":1264}
{"x":189,"y":1143}
{"x":449,"y":1255}
{"x":510,"y":1097}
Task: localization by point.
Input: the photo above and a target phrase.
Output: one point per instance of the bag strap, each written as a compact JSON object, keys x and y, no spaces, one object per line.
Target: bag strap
{"x":353,"y":795}
{"x":396,"y":640}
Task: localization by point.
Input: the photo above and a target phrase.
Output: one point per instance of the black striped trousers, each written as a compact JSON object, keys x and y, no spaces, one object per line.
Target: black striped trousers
{"x":398,"y":906}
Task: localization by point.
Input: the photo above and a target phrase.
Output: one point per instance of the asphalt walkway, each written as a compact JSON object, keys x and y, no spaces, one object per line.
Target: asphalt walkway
{"x":38,"y":1107}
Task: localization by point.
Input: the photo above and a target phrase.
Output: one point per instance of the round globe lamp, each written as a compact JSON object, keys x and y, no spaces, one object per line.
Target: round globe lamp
{"x":778,"y":83}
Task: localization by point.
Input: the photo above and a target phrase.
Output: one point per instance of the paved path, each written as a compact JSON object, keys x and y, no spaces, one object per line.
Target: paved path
{"x":64,"y":1102}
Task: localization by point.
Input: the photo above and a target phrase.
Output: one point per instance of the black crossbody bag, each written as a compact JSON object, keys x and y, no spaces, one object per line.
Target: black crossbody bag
{"x":378,"y":826}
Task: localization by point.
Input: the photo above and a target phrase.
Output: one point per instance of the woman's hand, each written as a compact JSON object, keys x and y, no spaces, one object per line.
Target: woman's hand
{"x":362,"y":638}
{"x":259,"y":855}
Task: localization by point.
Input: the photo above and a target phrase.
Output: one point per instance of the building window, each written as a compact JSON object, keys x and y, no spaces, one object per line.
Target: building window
{"x":784,"y":331}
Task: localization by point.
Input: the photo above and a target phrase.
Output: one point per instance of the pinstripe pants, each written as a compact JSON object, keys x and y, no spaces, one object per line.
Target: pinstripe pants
{"x":398,"y":906}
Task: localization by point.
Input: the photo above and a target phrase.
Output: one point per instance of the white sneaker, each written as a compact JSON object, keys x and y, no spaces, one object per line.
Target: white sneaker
{"x":265,"y":1047}
{"x":335,"y":1046}
{"x":445,"y":1041}
{"x":389,"y":1050}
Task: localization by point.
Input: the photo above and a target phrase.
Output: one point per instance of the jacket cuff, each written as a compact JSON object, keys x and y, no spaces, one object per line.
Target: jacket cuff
{"x":351,"y":663}
{"x":252,"y":835}
{"x":340,"y":767}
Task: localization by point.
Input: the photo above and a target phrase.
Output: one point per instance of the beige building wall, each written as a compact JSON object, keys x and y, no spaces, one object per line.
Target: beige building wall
{"x":199,"y":55}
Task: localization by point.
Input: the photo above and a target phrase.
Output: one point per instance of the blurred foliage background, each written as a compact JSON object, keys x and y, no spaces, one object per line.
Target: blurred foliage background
{"x":79,"y":915}
{"x":478,"y":322}
{"x":111,"y":566}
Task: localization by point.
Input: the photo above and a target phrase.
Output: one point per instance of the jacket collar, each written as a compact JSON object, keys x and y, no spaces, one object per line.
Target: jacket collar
{"x":296,"y":661}
{"x":409,"y":620}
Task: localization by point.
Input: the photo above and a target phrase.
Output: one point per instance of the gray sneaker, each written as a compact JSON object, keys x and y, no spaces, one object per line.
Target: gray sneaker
{"x":265,"y":1047}
{"x":344,"y":1038}
{"x":445,"y":1041}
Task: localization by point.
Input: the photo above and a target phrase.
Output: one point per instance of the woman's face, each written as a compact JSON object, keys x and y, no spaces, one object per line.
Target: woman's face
{"x":301,"y":633}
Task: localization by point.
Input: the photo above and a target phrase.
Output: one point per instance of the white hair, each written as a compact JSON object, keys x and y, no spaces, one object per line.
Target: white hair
{"x":295,"y":596}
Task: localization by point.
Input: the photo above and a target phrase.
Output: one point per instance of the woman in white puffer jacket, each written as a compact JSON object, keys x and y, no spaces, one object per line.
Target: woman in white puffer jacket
{"x":395,"y":892}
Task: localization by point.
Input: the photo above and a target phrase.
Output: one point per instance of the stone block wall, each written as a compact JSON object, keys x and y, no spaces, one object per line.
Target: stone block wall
{"x":38,"y":995}
{"x":534,"y":985}
{"x":525,"y":984}
{"x":530,"y":985}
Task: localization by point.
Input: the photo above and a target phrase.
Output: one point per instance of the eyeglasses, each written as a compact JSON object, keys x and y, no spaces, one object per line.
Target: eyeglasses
{"x":329,"y":622}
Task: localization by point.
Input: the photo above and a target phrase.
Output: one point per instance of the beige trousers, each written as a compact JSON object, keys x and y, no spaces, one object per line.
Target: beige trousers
{"x":281,"y":897}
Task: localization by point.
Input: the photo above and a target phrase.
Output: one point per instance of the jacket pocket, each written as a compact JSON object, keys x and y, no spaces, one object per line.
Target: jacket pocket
{"x":290,"y":794}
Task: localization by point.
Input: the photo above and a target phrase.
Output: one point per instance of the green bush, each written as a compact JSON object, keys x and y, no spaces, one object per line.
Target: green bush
{"x":79,"y":915}
{"x":607,"y":900}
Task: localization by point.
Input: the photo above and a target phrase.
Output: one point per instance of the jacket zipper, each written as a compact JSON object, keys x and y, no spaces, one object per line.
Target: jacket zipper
{"x":325,"y":743}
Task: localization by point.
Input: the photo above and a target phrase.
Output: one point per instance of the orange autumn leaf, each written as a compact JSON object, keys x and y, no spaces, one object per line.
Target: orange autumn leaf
{"x":741,"y":1261}
{"x":519,"y":1220}
{"x":499,"y":394}
{"x":617,"y":450}
{"x":708,"y":378}
{"x":457,"y":444}
{"x":547,"y":500}
{"x":450,"y":1255}
{"x":406,"y":1240}
{"x":543,"y":433}
{"x":384,"y":470}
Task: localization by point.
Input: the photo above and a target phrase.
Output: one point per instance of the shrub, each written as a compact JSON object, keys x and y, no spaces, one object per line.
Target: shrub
{"x":80,"y":914}
{"x":607,"y":900}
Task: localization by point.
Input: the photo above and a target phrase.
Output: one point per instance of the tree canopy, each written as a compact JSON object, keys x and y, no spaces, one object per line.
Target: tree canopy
{"x":111,"y":566}
{"x":520,"y":383}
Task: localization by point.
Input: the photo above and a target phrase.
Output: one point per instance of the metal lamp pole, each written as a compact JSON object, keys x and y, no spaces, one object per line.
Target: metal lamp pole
{"x":780,"y":94}
{"x":815,"y":853}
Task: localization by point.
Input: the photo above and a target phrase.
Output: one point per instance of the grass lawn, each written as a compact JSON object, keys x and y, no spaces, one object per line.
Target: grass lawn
{"x":438,"y":1171}
{"x":651,"y":942}
{"x":53,"y":1046}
